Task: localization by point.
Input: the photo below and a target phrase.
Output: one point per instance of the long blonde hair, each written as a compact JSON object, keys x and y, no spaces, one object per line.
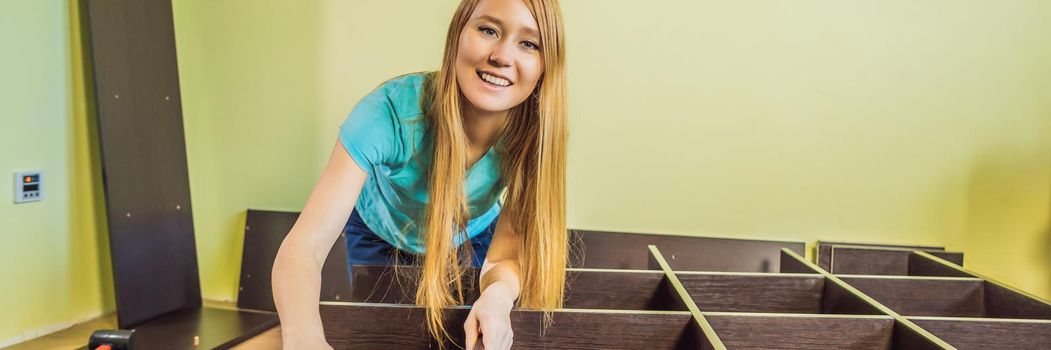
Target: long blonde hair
{"x":533,"y":167}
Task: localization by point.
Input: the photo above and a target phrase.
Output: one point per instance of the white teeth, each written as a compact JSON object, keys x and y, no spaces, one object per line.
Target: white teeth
{"x":495,"y":80}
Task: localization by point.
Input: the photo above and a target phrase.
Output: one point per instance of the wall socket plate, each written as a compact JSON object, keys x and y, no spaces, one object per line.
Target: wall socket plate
{"x":29,"y":186}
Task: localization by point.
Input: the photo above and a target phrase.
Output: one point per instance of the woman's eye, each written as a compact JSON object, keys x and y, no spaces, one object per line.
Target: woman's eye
{"x":488,"y":31}
{"x":530,"y":45}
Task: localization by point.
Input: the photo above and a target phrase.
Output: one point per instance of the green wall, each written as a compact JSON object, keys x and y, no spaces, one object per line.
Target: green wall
{"x":53,"y":261}
{"x":893,"y":121}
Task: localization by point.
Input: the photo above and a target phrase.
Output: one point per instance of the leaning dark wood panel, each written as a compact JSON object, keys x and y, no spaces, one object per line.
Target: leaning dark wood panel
{"x":143,"y":154}
{"x":984,"y":334}
{"x":759,"y":331}
{"x":264,"y":230}
{"x":387,"y":326}
{"x":618,"y":250}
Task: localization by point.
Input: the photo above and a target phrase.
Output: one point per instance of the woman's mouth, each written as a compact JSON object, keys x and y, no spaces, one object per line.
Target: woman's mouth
{"x":493,"y":82}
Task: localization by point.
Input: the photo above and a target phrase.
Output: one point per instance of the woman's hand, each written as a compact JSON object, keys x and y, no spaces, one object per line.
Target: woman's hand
{"x":490,"y":318}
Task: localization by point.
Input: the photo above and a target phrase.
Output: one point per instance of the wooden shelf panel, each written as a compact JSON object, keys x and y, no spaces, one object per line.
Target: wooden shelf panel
{"x":585,"y":288}
{"x":823,"y":251}
{"x":623,"y":250}
{"x":782,"y":331}
{"x":771,"y":293}
{"x":854,"y":260}
{"x":369,"y":326}
{"x":984,"y":333}
{"x":948,"y":297}
{"x":647,"y":290}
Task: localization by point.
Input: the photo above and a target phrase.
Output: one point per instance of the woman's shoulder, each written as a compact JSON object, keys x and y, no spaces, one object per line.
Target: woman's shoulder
{"x":403,"y":94}
{"x":406,"y":81}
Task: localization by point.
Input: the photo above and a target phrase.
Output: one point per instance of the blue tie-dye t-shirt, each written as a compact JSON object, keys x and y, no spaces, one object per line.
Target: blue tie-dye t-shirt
{"x":384,"y":135}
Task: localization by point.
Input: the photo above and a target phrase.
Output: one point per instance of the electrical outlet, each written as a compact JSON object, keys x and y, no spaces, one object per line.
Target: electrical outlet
{"x":29,"y":186}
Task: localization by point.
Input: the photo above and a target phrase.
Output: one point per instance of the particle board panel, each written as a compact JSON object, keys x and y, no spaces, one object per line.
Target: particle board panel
{"x":391,"y":326}
{"x":264,"y":230}
{"x":765,"y":331}
{"x":143,"y":153}
{"x":215,"y":328}
{"x":983,"y":334}
{"x":906,"y":334}
{"x":931,"y":296}
{"x":851,"y":260}
{"x":619,"y":250}
{"x":1003,"y":302}
{"x":923,"y":264}
{"x":950,"y":297}
{"x":585,"y":288}
{"x":823,"y":251}
{"x":754,"y":292}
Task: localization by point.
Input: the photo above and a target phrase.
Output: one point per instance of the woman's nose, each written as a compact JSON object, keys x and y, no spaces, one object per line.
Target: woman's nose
{"x":501,"y":55}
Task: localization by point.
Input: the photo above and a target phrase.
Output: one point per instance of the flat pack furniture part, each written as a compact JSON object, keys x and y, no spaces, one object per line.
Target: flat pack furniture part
{"x":140,"y":131}
{"x":798,"y":308}
{"x":265,"y":229}
{"x":963,"y":308}
{"x":263,"y":233}
{"x":889,"y":263}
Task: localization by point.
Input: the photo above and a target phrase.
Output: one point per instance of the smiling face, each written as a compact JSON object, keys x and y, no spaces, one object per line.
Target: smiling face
{"x":499,"y":61}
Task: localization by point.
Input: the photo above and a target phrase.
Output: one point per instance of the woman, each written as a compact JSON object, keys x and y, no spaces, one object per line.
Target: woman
{"x":429,"y":161}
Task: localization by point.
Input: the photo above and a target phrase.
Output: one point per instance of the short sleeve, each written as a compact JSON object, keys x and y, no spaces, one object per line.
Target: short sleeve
{"x":369,"y":134}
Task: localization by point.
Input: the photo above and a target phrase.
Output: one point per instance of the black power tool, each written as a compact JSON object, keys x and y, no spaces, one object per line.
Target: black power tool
{"x":112,"y":340}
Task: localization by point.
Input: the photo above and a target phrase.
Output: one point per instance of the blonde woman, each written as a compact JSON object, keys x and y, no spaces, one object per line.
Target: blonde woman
{"x":446,"y":168}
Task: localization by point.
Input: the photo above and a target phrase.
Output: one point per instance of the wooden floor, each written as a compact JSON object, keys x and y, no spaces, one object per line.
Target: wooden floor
{"x":77,"y":336}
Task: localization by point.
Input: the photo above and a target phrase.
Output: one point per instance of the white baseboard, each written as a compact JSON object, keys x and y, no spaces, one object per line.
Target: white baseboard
{"x":42,"y":331}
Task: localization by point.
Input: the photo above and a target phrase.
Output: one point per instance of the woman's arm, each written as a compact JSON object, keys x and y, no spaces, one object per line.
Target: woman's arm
{"x":500,"y":286}
{"x":297,"y":269}
{"x":500,"y":269}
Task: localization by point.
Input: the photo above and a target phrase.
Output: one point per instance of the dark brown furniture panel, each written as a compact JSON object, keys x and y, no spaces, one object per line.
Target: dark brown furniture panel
{"x":215,"y":329}
{"x":143,"y":154}
{"x":758,"y":331}
{"x":585,"y":288}
{"x":763,"y":293}
{"x":987,"y":334}
{"x":146,"y":183}
{"x":823,"y":251}
{"x":949,"y":297}
{"x":264,"y":230}
{"x":924,"y":264}
{"x":369,"y":326}
{"x":851,"y":260}
{"x":617,"y":250}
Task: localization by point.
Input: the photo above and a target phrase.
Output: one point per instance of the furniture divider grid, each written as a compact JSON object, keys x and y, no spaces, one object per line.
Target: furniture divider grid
{"x":932,"y":290}
{"x":800,"y":307}
{"x":689,"y":292}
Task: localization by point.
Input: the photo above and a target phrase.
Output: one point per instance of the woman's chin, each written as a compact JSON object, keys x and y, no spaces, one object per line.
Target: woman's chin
{"x":489,"y":105}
